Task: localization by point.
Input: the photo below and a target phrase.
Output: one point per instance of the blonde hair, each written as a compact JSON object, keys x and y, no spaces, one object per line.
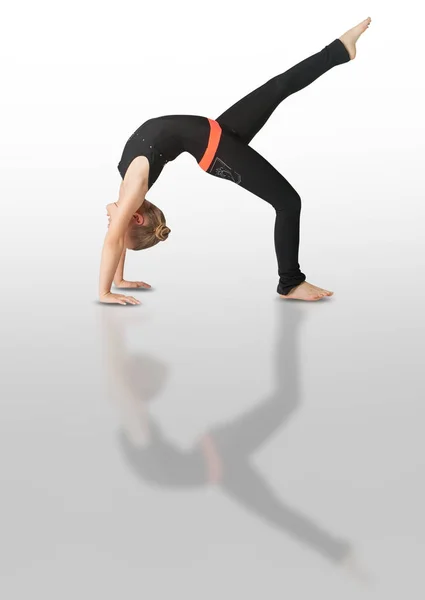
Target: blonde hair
{"x":146,"y":236}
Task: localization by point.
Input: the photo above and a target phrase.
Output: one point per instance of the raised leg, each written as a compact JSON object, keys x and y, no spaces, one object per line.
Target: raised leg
{"x":243,"y":483}
{"x":247,"y":116}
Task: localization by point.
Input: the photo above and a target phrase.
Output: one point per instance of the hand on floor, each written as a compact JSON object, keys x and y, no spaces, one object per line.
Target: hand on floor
{"x":132,"y":284}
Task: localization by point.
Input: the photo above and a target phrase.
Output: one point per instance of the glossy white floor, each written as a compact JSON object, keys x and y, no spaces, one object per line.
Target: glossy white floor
{"x":315,"y":410}
{"x":215,"y":441}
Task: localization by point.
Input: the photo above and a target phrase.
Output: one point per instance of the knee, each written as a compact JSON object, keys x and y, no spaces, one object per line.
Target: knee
{"x":289,"y":202}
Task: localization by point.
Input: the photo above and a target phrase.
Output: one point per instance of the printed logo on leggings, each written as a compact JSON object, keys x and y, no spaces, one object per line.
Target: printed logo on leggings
{"x":220,"y":169}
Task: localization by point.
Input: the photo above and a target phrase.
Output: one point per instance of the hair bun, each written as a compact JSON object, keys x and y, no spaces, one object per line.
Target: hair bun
{"x":162,"y":231}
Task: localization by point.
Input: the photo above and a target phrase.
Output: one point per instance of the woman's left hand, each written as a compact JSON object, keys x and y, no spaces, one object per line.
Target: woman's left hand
{"x":131,"y":284}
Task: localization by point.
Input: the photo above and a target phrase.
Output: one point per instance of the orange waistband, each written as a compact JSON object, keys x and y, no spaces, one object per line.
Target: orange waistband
{"x":213,"y":141}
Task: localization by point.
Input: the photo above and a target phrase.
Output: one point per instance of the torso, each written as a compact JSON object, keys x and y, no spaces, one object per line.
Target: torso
{"x":162,"y":139}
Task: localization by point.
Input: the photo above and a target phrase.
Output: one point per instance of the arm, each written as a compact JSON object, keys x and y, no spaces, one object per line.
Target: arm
{"x":130,"y":399}
{"x":113,"y":253}
{"x":113,"y":248}
{"x":119,"y":280}
{"x":119,"y":273}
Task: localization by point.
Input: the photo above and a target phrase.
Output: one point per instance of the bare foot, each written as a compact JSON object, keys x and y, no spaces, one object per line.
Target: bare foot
{"x":351,"y":36}
{"x":307,"y":291}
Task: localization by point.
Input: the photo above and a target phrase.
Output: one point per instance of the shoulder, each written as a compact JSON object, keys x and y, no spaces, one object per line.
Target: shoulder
{"x":136,"y":176}
{"x":138,"y":169}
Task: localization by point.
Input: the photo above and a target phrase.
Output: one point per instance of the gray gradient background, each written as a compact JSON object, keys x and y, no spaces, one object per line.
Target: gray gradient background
{"x":211,"y":340}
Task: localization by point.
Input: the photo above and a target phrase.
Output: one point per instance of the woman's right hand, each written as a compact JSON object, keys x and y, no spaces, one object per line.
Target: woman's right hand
{"x":111,"y":298}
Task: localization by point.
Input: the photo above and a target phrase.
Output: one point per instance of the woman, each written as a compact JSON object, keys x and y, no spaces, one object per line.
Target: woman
{"x":221,"y":148}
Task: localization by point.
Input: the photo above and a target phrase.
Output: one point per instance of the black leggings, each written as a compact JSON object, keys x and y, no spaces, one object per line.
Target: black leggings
{"x":237,"y":161}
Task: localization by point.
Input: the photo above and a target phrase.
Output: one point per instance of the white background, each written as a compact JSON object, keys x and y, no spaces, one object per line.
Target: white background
{"x":77,"y":79}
